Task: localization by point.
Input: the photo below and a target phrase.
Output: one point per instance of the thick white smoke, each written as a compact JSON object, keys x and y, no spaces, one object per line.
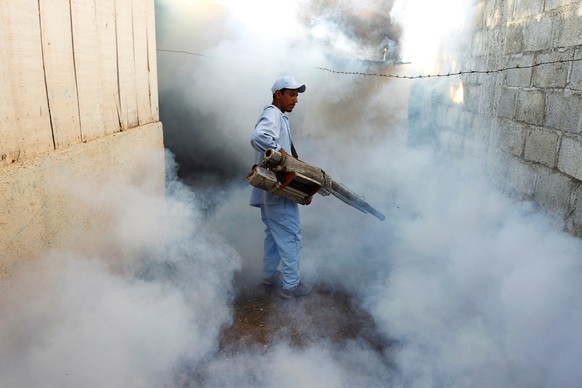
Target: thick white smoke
{"x":128,"y":305}
{"x":427,"y":25}
{"x":472,"y":288}
{"x":481,"y":291}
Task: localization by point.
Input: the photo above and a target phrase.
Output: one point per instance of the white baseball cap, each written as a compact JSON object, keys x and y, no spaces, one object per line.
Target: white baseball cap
{"x":287,"y":82}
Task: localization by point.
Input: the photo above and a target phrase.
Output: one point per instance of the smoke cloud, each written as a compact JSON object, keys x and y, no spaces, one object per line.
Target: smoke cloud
{"x":127,"y":306}
{"x":236,"y":50}
{"x":473,"y":288}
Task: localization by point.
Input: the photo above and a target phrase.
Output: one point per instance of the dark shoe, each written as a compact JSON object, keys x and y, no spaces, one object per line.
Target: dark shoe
{"x":276,"y":280}
{"x":301,"y":289}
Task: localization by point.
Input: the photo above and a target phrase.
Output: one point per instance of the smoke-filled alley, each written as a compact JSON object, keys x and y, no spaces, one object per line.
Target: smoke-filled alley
{"x":467,"y":282}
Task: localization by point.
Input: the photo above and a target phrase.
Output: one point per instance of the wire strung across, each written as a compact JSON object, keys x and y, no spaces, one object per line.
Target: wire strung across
{"x":516,"y":67}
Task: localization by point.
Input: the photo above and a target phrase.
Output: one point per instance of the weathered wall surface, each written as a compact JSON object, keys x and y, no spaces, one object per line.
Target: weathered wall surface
{"x":60,"y":201}
{"x":527,"y":120}
{"x":78,"y":94}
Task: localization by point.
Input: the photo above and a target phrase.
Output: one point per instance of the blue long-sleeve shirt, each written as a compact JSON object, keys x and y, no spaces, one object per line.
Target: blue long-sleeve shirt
{"x":271,"y":131}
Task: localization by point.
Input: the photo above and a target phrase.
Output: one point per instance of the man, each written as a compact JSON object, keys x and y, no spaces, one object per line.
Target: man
{"x":282,"y":245}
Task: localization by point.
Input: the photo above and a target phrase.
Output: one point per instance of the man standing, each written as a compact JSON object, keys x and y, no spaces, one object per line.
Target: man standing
{"x":282,"y":246}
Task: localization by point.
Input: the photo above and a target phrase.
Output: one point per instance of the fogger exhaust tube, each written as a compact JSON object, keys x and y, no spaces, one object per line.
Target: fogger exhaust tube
{"x":288,"y":177}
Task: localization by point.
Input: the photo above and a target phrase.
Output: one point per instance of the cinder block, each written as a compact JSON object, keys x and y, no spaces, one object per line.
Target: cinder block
{"x":576,"y":75}
{"x":511,"y":137}
{"x":521,"y":177}
{"x":530,"y":107}
{"x":541,"y":146}
{"x":570,"y":156}
{"x":554,"y":75}
{"x":564,"y":112}
{"x":514,"y":39}
{"x":519,"y":77}
{"x":538,"y":35}
{"x":488,"y":90}
{"x":569,"y":31}
{"x":525,"y":8}
{"x":553,"y":190}
{"x":507,"y":103}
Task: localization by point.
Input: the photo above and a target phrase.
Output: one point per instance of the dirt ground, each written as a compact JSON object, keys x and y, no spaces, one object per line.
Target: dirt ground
{"x":262,"y":318}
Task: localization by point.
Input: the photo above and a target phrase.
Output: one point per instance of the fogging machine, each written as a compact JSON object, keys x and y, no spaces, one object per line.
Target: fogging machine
{"x":298,"y":181}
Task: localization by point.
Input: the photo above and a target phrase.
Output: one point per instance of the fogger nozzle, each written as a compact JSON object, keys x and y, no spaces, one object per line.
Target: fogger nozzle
{"x":294,"y":179}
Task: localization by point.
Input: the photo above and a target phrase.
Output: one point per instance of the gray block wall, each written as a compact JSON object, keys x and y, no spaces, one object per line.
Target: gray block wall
{"x":527,"y":120}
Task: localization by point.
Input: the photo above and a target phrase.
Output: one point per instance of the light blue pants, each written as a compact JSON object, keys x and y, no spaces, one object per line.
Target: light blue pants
{"x":282,"y":241}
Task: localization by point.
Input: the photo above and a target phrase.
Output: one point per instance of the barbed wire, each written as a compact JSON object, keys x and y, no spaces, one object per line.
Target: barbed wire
{"x":184,"y":52}
{"x":450,"y":74}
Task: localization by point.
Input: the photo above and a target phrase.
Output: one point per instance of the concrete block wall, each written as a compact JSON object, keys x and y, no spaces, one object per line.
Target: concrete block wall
{"x":78,"y":105}
{"x":527,"y":120}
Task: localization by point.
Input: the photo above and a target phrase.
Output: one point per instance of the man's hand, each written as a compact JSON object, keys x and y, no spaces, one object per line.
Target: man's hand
{"x":284,"y":154}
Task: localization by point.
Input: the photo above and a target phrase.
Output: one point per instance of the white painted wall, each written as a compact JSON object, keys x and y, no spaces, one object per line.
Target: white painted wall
{"x":78,"y":102}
